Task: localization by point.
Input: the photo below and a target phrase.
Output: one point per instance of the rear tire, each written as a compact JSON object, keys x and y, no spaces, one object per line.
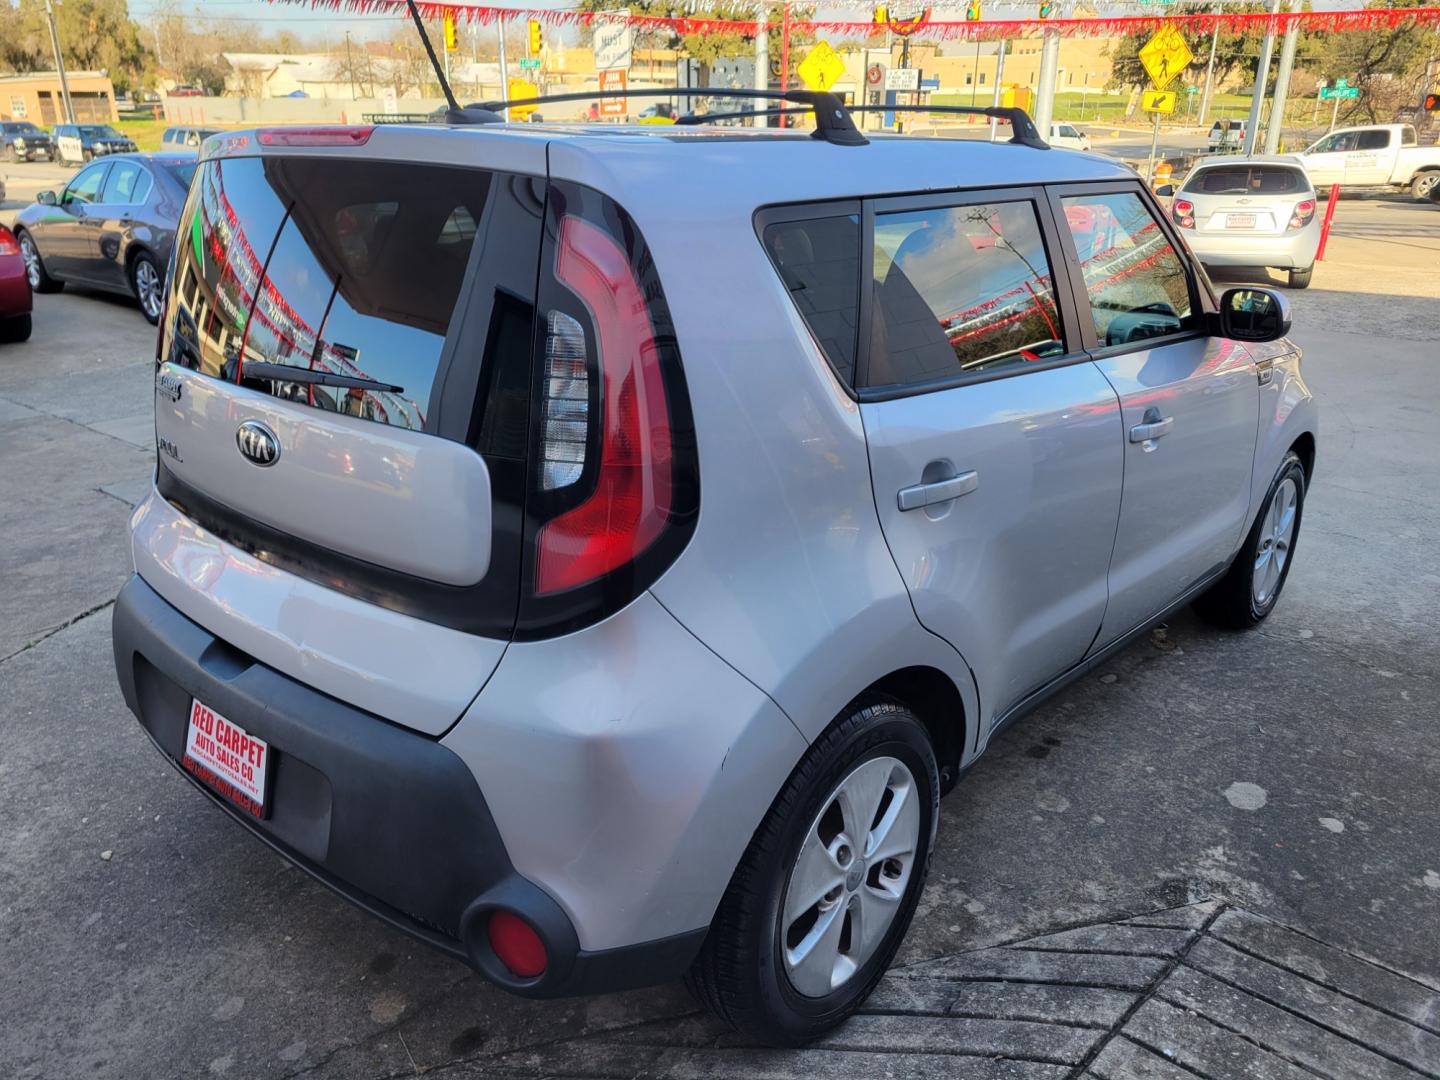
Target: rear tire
{"x":1300,"y":279}
{"x":148,"y":285}
{"x":1423,"y":184}
{"x":15,"y":329}
{"x":40,"y":281}
{"x":781,"y":968}
{"x":1246,"y":595}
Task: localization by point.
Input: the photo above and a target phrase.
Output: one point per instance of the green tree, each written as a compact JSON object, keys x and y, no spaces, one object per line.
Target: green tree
{"x":1388,"y":65}
{"x":96,"y":35}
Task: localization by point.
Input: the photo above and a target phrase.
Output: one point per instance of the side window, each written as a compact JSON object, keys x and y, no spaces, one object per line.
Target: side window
{"x":1407,"y":136}
{"x":960,"y":289}
{"x":1136,"y":282}
{"x":85,"y":188}
{"x":127,"y":183}
{"x":819,"y":262}
{"x":1373,"y":140}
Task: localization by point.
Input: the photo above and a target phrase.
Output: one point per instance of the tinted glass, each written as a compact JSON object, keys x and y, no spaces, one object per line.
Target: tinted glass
{"x":1137,"y":283}
{"x":819,"y":262}
{"x":1407,"y":136}
{"x":182,"y":171}
{"x":127,"y":183}
{"x":1372,"y":140}
{"x":85,"y":188}
{"x":960,"y":289}
{"x":359,"y":279}
{"x":1240,"y":180}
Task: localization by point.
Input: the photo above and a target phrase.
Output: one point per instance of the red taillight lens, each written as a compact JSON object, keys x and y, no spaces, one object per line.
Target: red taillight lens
{"x":8,"y":244}
{"x":1183,"y":213}
{"x":320,"y":136}
{"x":630,"y":505}
{"x":516,"y":945}
{"x":1303,"y":213}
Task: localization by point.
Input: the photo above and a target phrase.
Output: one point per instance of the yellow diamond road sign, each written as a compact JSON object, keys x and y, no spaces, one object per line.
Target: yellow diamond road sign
{"x":1165,"y":56}
{"x":821,"y":67}
{"x":1158,"y":101}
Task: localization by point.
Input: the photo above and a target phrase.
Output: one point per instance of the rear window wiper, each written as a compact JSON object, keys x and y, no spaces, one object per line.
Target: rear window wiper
{"x":287,"y":373}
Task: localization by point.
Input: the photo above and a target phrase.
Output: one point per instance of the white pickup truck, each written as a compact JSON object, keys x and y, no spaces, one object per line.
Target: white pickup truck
{"x":1381,"y":155}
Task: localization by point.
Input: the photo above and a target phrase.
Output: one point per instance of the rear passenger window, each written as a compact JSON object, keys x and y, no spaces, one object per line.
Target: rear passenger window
{"x":819,"y":262}
{"x":958,"y":290}
{"x":1137,"y":283}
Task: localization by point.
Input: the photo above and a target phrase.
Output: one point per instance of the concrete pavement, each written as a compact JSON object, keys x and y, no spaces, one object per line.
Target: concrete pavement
{"x":1281,"y":782}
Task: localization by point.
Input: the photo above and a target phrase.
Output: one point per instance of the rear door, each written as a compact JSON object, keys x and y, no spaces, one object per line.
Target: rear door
{"x":401,"y":298}
{"x":126,"y":188}
{"x":994,"y":443}
{"x":1190,"y":402}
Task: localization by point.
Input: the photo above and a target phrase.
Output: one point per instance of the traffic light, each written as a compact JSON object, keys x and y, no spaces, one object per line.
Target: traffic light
{"x":451,"y":41}
{"x":972,"y":12}
{"x":534,"y":37}
{"x":1047,"y":9}
{"x":1432,"y":102}
{"x":882,"y":14}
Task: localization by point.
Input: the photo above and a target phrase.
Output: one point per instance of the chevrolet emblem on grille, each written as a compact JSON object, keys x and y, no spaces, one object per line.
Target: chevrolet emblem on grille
{"x":258,"y":443}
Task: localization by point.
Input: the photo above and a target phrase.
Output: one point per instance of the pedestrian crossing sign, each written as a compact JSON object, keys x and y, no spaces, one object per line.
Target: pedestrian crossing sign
{"x":1165,"y":56}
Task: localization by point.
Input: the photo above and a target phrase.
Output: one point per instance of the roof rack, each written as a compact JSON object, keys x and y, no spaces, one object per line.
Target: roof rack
{"x":1025,"y":133}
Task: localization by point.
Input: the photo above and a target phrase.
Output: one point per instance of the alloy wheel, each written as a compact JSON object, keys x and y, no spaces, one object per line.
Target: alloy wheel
{"x":32,"y":261}
{"x":850,"y":877}
{"x":147,"y":287}
{"x":1277,"y":534}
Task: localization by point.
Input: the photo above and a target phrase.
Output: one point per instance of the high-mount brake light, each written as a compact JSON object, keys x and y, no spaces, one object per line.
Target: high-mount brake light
{"x":1183,"y":213}
{"x":318,"y":136}
{"x":1303,"y":214}
{"x":630,"y":505}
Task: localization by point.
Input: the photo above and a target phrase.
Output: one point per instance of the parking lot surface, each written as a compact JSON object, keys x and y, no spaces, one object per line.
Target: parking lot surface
{"x":1217,"y":855}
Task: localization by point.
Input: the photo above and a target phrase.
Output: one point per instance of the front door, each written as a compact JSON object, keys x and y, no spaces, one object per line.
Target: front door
{"x":1372,"y":161}
{"x":1190,"y":403}
{"x":995,"y":446}
{"x":1325,"y":161}
{"x":67,"y":240}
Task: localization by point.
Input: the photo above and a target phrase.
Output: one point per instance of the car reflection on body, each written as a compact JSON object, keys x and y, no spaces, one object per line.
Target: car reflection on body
{"x":111,"y":228}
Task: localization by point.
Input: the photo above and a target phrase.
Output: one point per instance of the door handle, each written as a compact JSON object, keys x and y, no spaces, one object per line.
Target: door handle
{"x":1152,"y":427}
{"x":938,"y":491}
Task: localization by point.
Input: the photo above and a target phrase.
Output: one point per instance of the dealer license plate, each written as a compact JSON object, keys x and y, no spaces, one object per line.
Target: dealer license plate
{"x":1239,"y":221}
{"x":225,"y":756}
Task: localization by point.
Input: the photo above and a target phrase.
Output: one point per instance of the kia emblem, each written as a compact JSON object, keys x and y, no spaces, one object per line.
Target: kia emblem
{"x":257,"y":443}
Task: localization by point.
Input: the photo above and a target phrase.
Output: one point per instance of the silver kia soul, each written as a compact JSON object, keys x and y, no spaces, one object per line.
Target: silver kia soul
{"x":595,"y":552}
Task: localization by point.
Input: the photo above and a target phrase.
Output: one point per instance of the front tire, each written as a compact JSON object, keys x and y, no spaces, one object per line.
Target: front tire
{"x":1248,"y":591}
{"x":40,"y":281}
{"x":1423,"y":184}
{"x":15,"y":329}
{"x":1300,"y":279}
{"x":829,"y":884}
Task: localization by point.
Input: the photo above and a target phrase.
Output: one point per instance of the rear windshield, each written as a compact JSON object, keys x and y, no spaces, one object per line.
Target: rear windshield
{"x":340,"y":266}
{"x":182,"y":171}
{"x":1247,"y":180}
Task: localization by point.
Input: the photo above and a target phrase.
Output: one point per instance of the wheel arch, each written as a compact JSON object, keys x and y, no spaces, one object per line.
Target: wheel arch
{"x":933,"y":697}
{"x":1304,"y":448}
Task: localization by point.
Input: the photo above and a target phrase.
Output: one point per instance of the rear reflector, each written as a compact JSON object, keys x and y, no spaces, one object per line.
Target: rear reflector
{"x":630,"y":505}
{"x":321,"y":136}
{"x":516,"y":945}
{"x":567,"y":403}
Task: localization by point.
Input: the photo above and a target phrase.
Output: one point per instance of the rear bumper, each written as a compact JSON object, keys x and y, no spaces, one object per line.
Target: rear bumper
{"x":390,"y":819}
{"x":1295,"y":251}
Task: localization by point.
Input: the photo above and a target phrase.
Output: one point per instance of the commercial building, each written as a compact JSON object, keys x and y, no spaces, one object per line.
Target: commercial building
{"x":36,"y":97}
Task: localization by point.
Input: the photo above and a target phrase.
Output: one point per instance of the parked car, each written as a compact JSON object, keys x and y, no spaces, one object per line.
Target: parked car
{"x":177,"y":138}
{"x":111,"y":228}
{"x":446,"y":625}
{"x":79,"y":143}
{"x":24,"y":141}
{"x":1227,"y":135}
{"x":186,"y":90}
{"x":15,"y":297}
{"x":1250,"y":212}
{"x":1068,"y":137}
{"x":1378,"y":155}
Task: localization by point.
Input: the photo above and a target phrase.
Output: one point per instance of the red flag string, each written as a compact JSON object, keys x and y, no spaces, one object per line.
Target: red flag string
{"x":944,"y":30}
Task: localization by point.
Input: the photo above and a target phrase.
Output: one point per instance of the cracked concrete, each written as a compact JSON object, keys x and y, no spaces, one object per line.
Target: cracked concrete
{"x":192,"y":951}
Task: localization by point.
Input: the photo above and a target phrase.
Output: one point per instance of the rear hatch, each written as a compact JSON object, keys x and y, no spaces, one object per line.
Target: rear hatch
{"x":344,"y":386}
{"x":1246,"y":199}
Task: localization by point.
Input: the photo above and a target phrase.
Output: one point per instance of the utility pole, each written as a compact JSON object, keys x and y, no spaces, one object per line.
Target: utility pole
{"x":59,"y":62}
{"x":1045,"y":91}
{"x":999,"y":74}
{"x":350,"y":64}
{"x":504,"y":68}
{"x":1262,"y":76}
{"x":1209,"y":91}
{"x":762,"y":61}
{"x":1282,"y":83}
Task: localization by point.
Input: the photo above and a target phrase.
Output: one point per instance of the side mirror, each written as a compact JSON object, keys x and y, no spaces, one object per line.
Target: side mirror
{"x":47,"y":198}
{"x":1165,"y":191}
{"x":1254,"y":315}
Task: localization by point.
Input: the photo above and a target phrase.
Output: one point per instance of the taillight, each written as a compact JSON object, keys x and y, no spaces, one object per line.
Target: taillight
{"x":318,"y":136}
{"x":1183,"y":213}
{"x":566,"y":403}
{"x":630,"y":503}
{"x":8,"y":244}
{"x":1303,"y":214}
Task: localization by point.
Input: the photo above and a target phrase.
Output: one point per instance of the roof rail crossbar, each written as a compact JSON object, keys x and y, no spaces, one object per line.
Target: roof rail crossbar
{"x":1025,"y":133}
{"x":832,"y":119}
{"x":692,"y":119}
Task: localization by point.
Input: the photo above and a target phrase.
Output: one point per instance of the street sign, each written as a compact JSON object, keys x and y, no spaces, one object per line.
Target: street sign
{"x":1338,"y":91}
{"x":1165,"y":56}
{"x":874,"y":75}
{"x":611,"y":81}
{"x":1192,"y":89}
{"x":1158,"y":101}
{"x":821,"y":68}
{"x":612,"y":39}
{"x":530,"y":63}
{"x":902,"y":79}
